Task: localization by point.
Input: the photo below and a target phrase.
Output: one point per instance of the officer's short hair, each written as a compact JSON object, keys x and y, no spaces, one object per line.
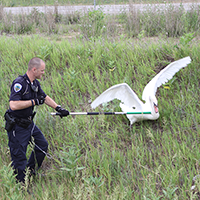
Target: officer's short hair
{"x":34,"y":62}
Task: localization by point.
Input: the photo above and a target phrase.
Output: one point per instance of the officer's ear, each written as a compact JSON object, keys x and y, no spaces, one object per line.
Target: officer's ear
{"x":34,"y":69}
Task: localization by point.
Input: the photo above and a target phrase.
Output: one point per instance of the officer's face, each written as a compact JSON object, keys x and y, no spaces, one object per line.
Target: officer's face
{"x":40,"y":71}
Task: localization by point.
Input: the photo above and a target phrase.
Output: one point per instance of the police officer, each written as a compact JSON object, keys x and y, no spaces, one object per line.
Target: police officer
{"x":26,"y":93}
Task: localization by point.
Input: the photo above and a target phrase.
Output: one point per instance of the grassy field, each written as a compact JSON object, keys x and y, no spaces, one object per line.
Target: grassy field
{"x":100,"y":157}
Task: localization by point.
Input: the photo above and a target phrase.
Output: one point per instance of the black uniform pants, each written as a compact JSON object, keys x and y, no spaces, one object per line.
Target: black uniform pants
{"x":19,"y":139}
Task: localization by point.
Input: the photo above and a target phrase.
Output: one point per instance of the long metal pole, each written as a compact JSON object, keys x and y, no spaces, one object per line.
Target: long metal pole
{"x":105,"y":113}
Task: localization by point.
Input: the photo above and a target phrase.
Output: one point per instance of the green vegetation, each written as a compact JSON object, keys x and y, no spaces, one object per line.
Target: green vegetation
{"x":100,"y":157}
{"x":169,"y":21}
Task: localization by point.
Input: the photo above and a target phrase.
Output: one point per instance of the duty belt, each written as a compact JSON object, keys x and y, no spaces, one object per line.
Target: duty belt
{"x":22,"y":122}
{"x":25,"y":122}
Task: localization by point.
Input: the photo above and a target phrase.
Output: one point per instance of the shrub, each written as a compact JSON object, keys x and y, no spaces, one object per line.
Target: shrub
{"x":171,"y":21}
{"x":23,"y":24}
{"x":92,"y":24}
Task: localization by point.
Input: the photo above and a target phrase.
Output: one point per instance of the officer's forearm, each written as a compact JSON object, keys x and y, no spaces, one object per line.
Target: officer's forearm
{"x":19,"y":105}
{"x":50,"y":102}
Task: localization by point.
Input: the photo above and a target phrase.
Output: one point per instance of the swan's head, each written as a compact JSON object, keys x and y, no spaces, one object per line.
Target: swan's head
{"x":155,"y":107}
{"x":154,"y":104}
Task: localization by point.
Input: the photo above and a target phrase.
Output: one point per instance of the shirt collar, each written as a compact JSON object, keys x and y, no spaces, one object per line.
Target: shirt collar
{"x":27,"y":79}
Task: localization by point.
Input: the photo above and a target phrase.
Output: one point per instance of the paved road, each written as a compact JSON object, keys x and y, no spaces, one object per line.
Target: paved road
{"x":107,"y":9}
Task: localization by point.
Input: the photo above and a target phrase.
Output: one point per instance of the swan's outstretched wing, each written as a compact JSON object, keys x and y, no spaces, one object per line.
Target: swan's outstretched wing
{"x":163,"y":76}
{"x":120,"y":91}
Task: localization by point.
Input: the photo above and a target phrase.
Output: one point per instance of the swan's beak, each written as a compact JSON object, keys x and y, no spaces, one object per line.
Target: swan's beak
{"x":155,"y":108}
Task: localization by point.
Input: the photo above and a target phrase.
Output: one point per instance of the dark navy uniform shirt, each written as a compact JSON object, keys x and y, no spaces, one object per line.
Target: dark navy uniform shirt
{"x":21,"y":89}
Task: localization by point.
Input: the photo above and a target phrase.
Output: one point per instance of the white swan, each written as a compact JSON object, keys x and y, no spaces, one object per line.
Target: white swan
{"x":130,"y":101}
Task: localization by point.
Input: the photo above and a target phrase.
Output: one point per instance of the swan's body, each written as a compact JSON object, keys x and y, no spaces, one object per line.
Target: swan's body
{"x":130,"y":101}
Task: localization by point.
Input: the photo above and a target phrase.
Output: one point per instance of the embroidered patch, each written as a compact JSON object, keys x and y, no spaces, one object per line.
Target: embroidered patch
{"x":17,"y":87}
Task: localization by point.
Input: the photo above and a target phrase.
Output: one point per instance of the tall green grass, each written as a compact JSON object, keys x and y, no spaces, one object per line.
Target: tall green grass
{"x":100,"y":157}
{"x":169,"y":21}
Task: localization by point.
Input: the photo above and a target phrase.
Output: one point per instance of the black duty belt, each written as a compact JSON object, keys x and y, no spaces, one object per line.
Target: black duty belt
{"x":22,"y":122}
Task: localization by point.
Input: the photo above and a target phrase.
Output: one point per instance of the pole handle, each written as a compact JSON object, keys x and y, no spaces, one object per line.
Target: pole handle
{"x":104,"y":113}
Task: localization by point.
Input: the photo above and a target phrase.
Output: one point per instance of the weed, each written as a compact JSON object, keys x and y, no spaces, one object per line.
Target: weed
{"x":186,"y":39}
{"x":10,"y":188}
{"x":69,"y":161}
{"x":44,"y":52}
{"x":169,"y":193}
{"x":92,"y":24}
{"x":170,"y":21}
{"x":96,"y":181}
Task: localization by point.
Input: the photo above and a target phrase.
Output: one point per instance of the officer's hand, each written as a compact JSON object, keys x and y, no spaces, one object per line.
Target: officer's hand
{"x":63,"y":112}
{"x":39,"y":100}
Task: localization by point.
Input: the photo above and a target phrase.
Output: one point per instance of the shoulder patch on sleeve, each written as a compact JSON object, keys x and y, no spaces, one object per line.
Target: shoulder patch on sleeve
{"x":17,"y":87}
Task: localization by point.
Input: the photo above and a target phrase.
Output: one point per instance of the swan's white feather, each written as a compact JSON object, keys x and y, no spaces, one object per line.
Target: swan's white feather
{"x":164,"y":76}
{"x":120,"y":91}
{"x":129,"y":99}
